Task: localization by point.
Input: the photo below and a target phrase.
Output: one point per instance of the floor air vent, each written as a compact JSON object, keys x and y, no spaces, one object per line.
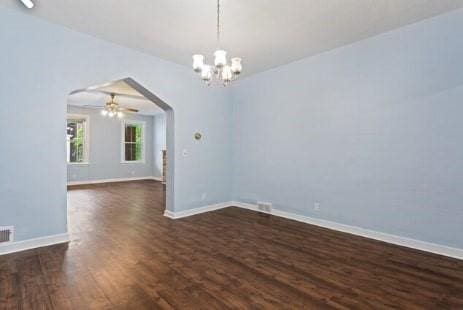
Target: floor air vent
{"x":6,"y":234}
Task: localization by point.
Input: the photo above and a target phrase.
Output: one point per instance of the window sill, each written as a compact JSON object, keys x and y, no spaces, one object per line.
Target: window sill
{"x":79,"y":164}
{"x":133,"y":162}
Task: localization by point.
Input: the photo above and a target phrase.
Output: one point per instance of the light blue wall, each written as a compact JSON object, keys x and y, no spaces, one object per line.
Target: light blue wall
{"x":159,"y":143}
{"x":373,"y":131}
{"x":41,"y":63}
{"x":105,"y":149}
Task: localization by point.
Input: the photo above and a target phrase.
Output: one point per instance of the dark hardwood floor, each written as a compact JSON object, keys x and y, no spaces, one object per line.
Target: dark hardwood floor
{"x":125,"y":255}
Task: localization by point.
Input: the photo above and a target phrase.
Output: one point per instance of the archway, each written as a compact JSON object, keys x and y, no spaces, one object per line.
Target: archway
{"x":169,"y":114}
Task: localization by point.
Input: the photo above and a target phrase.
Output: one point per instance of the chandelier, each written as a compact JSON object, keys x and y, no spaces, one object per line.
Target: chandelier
{"x":221,"y":70}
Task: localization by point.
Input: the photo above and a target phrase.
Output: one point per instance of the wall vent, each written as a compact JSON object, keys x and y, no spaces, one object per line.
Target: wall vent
{"x":264,"y":206}
{"x":6,"y":234}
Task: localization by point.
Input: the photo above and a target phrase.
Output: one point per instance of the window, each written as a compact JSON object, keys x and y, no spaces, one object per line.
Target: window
{"x":77,"y":139}
{"x":133,"y":141}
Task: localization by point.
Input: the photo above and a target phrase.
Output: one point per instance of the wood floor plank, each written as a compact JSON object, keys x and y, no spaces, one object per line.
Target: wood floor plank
{"x":125,"y":254}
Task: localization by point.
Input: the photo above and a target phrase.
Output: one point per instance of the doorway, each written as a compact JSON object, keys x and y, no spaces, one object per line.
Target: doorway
{"x":120,"y":132}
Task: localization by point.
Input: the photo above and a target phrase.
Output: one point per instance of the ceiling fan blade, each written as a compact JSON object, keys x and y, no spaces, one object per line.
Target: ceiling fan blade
{"x":92,"y":106}
{"x":129,"y":109}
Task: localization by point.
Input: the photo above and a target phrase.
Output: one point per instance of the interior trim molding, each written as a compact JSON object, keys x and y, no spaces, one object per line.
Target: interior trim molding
{"x":354,"y":230}
{"x":98,"y":181}
{"x":33,"y":243}
{"x":190,"y":212}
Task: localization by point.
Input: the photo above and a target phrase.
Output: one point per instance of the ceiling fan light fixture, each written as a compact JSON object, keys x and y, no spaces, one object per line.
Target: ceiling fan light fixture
{"x":28,"y":3}
{"x":112,"y":108}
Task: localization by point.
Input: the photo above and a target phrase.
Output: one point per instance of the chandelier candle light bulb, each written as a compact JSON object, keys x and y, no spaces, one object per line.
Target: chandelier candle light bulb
{"x":236,"y":66}
{"x":220,"y":58}
{"x":206,"y":73}
{"x":227,"y":74}
{"x":198,"y":62}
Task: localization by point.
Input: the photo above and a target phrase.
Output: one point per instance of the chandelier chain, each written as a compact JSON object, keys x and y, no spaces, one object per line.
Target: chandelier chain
{"x":218,"y":20}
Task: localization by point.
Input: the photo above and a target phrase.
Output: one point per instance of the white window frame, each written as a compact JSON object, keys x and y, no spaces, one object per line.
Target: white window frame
{"x":86,"y":137}
{"x":143,"y":141}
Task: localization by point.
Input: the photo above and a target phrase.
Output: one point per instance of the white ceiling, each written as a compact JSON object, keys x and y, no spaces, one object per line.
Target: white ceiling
{"x":264,"y":33}
{"x":126,"y":96}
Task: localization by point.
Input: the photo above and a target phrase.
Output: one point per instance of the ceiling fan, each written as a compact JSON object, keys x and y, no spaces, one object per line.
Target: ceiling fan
{"x":112,"y":108}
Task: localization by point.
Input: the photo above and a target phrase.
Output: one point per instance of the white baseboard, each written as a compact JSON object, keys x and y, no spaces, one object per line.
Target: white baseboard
{"x":190,"y":212}
{"x":99,"y":181}
{"x":389,"y":238}
{"x":33,"y":243}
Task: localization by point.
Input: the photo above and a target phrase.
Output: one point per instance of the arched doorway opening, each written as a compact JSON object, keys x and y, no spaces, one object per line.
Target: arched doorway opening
{"x":132,"y":99}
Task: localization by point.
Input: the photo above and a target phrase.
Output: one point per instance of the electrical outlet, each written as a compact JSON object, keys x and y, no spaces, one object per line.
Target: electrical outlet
{"x":316,"y":206}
